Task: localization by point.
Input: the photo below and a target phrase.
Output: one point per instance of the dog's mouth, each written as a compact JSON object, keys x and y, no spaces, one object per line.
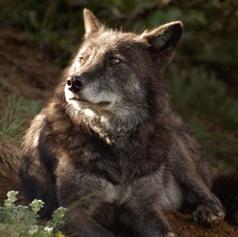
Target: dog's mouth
{"x":87,"y":102}
{"x":79,"y":101}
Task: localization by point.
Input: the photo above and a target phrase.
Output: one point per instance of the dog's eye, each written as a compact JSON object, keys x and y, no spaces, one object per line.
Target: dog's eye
{"x":81,"y":60}
{"x":114,"y":61}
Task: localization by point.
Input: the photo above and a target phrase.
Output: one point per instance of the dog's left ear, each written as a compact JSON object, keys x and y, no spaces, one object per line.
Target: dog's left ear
{"x":163,"y":40}
{"x":91,"y":23}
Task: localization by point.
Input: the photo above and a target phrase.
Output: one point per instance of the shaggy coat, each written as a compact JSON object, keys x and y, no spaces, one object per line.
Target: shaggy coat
{"x":110,"y":146}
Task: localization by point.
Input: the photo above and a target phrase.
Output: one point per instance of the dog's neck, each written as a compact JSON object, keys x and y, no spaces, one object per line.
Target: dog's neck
{"x":109,"y":128}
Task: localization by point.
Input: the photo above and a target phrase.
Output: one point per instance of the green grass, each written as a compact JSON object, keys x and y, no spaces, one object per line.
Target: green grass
{"x":23,"y":221}
{"x":15,"y":116}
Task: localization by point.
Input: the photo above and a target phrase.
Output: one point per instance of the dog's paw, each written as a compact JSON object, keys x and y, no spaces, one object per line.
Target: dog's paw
{"x":208,"y":214}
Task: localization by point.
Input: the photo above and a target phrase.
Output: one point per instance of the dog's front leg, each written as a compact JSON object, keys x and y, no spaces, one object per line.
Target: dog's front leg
{"x":145,"y":220}
{"x":78,"y":223}
{"x":84,"y":195}
{"x":208,"y":208}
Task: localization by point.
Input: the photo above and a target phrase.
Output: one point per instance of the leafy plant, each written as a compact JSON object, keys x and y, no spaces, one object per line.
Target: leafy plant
{"x":23,"y":221}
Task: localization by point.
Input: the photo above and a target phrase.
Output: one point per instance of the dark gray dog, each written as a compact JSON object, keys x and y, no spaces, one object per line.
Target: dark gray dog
{"x":110,"y":144}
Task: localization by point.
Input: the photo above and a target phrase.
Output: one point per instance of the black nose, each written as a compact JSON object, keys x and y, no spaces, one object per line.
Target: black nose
{"x":75,"y":83}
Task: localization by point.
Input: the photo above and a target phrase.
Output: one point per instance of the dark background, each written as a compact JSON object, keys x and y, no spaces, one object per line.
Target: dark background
{"x":202,"y":79}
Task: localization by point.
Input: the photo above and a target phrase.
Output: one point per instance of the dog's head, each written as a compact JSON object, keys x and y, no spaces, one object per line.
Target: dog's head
{"x":112,"y":72}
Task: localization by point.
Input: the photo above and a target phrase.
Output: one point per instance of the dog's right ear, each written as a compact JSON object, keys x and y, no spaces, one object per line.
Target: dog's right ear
{"x":91,"y":23}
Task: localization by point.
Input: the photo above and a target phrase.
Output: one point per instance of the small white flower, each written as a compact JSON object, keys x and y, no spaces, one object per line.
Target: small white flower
{"x":33,"y":230}
{"x":58,"y":216}
{"x":36,"y":205}
{"x":48,"y":229}
{"x":11,"y":198}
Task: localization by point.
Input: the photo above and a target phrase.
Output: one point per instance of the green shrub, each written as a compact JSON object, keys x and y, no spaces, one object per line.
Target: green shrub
{"x":23,"y":221}
{"x":198,"y":93}
{"x":212,"y":114}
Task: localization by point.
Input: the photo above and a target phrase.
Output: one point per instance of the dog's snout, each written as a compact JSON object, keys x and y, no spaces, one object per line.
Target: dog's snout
{"x":75,"y":83}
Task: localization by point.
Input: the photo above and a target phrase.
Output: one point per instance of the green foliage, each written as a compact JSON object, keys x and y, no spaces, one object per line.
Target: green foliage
{"x":211,"y":112}
{"x":59,"y":22}
{"x":22,"y":221}
{"x":198,"y":93}
{"x":15,"y":116}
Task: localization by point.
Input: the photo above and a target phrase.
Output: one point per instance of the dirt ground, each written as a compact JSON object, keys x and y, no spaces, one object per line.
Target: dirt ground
{"x":25,"y":72}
